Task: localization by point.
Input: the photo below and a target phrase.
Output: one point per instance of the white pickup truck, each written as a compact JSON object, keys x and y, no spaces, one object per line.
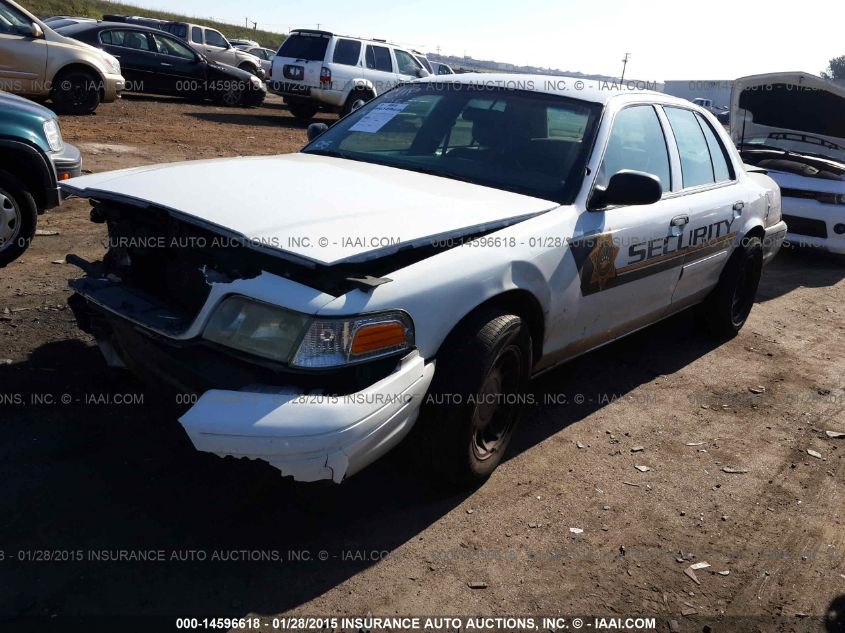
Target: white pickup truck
{"x":425,"y":257}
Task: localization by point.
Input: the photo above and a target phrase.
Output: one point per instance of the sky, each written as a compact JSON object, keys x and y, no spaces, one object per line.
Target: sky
{"x":666,"y":40}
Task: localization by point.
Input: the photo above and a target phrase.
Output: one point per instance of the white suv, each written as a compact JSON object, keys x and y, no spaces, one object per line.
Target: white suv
{"x":317,"y":69}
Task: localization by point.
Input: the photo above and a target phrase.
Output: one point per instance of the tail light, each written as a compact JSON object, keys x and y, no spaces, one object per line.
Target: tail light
{"x":325,"y":75}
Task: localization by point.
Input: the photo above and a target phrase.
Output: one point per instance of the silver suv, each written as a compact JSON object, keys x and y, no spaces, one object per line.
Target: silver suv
{"x":316,"y":70}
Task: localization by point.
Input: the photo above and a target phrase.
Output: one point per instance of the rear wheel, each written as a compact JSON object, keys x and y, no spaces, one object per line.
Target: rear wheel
{"x":18,"y":217}
{"x":303,"y":111}
{"x":472,"y":409}
{"x":76,"y":92}
{"x":726,"y":309}
{"x":355,"y":100}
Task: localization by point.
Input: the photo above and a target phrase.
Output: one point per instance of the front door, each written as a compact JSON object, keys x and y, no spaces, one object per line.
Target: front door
{"x":218,"y":48}
{"x":627,"y":261}
{"x":23,"y":58}
{"x":180,"y":70}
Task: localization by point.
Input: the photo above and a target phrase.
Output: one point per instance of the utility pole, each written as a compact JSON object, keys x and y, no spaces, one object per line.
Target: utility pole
{"x":624,"y":66}
{"x":255,"y":26}
{"x":246,"y":23}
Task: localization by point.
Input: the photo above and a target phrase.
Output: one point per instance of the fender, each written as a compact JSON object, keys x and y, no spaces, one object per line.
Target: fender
{"x":359,"y":83}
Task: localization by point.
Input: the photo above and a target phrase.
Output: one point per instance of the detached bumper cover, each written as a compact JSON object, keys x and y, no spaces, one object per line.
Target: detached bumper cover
{"x":312,"y":437}
{"x":773,"y":240}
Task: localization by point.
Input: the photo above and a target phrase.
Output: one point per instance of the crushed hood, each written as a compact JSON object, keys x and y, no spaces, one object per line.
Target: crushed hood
{"x":796,"y":102}
{"x":322,"y":209}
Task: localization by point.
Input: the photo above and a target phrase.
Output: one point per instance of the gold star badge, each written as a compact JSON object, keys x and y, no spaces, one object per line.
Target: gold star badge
{"x":603,"y":258}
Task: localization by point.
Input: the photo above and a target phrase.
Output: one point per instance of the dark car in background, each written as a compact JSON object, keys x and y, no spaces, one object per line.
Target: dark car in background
{"x":155,"y":62}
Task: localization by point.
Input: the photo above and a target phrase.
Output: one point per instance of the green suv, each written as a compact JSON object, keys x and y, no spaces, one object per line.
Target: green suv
{"x":33,"y":160}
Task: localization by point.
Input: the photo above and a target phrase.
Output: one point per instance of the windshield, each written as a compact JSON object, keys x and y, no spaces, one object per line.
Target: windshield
{"x":525,"y":142}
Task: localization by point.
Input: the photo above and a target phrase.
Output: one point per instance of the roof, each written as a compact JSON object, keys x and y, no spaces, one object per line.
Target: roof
{"x":564,"y":86}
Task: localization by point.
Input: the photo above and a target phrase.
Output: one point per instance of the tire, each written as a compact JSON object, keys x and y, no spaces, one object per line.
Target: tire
{"x":303,"y":111}
{"x":472,"y":408}
{"x":76,"y":92}
{"x":18,"y":218}
{"x":355,"y":100}
{"x":231,"y":96}
{"x":726,"y":309}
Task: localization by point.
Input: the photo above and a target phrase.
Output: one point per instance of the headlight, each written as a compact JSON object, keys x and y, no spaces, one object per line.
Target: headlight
{"x":112,"y":62}
{"x":335,"y":342}
{"x":53,"y":135}
{"x":256,"y":328}
{"x":255,"y":81}
{"x":302,"y":341}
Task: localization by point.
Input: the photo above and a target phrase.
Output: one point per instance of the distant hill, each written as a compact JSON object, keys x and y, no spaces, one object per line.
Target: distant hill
{"x":97,"y":8}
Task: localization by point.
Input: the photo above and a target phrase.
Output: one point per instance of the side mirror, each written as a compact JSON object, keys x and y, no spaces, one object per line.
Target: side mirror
{"x":315,"y":129}
{"x":626,"y":188}
{"x":36,"y":31}
{"x":422,"y":72}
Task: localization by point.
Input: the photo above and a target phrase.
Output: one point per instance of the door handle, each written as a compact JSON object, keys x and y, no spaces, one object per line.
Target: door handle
{"x":679,"y":220}
{"x":166,"y":64}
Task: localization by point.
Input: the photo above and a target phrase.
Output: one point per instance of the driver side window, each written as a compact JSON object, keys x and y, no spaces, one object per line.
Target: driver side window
{"x":636,"y":142}
{"x":213,"y":38}
{"x":12,"y":21}
{"x":407,"y":64}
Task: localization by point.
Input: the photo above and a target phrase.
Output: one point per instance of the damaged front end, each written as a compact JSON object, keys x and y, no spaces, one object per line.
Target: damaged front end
{"x":791,"y":125}
{"x":198,"y":311}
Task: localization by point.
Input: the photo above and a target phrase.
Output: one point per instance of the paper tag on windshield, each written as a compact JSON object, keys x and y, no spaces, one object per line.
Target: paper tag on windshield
{"x":378,"y":117}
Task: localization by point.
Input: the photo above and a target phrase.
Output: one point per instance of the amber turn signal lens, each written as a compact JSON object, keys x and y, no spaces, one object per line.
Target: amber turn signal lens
{"x":64,"y":176}
{"x":378,"y":336}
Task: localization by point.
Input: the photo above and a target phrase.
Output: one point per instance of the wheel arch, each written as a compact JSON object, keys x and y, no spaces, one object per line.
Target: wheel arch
{"x":29,"y":165}
{"x":518,"y":301}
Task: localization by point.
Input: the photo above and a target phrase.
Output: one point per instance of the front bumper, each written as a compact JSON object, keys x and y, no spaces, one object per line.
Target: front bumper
{"x":113,"y":87}
{"x":68,"y":164}
{"x":773,"y":241}
{"x":312,"y":437}
{"x":813,"y":224}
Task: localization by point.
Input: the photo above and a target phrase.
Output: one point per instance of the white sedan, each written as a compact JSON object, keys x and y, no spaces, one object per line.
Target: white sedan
{"x":417,"y":263}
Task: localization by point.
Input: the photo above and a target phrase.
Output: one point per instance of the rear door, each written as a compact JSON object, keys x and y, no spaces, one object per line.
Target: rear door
{"x":714,"y":200}
{"x":378,"y":62}
{"x":300,"y":59}
{"x":23,"y":58}
{"x":138,"y":61}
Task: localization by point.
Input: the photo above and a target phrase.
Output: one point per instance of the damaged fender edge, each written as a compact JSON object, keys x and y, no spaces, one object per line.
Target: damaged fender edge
{"x":312,"y":437}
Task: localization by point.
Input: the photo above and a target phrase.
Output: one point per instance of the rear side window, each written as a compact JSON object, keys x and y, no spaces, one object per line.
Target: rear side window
{"x":721,"y":171}
{"x":179,"y":30}
{"x":347,"y":52}
{"x":307,"y":47}
{"x":636,"y":142}
{"x":196,"y":35}
{"x":126,"y":39}
{"x":696,"y":167}
{"x":378,"y":58}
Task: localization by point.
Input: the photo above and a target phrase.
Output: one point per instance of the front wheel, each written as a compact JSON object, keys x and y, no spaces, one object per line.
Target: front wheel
{"x":18,"y":217}
{"x":76,"y":92}
{"x":726,"y":309}
{"x":230,"y":96}
{"x":474,"y":404}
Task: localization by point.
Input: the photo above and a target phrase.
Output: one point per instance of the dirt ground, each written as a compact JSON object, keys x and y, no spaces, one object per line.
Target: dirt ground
{"x":93,"y":462}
